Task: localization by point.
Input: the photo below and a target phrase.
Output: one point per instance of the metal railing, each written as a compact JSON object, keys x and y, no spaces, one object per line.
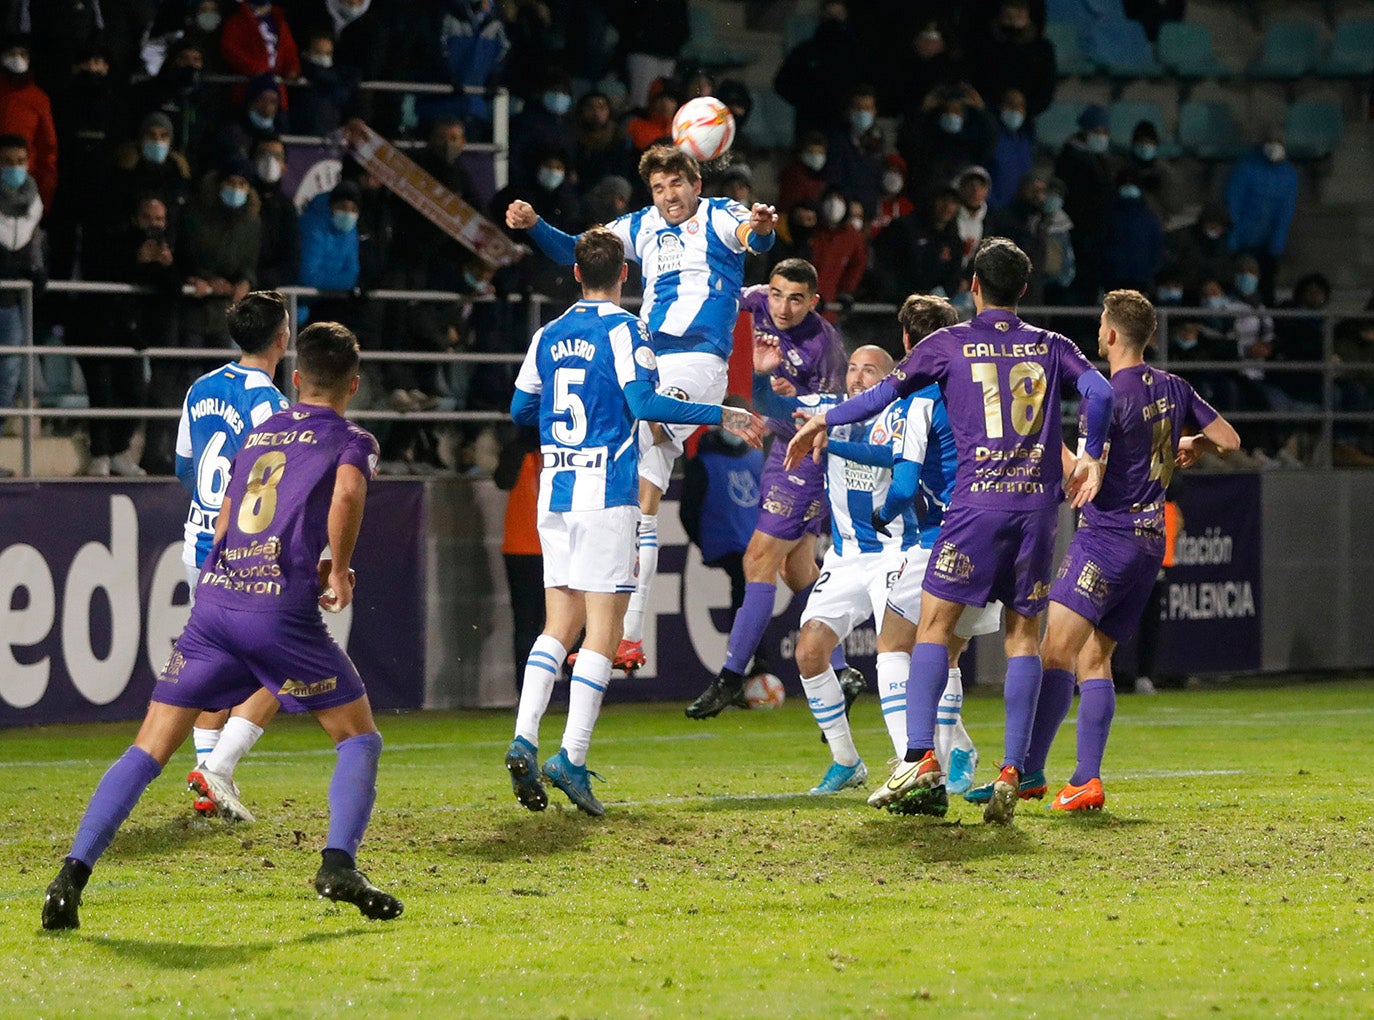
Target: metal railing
{"x":863,"y":318}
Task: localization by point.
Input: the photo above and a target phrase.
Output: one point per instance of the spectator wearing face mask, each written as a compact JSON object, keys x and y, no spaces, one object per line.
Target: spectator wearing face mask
{"x":803,"y":178}
{"x":920,"y":253}
{"x":1087,"y":172}
{"x":894,"y":202}
{"x":329,"y":253}
{"x":1262,"y":196}
{"x":1060,"y":265}
{"x":1133,"y":249}
{"x":220,"y":242}
{"x":26,"y":111}
{"x":839,"y":253}
{"x":426,"y":255}
{"x":1012,"y":153}
{"x":21,"y":252}
{"x":202,"y":25}
{"x":329,"y":100}
{"x":279,"y":257}
{"x":952,"y":131}
{"x":1200,"y":249}
{"x":1028,"y":227}
{"x":256,"y":40}
{"x":1016,"y":56}
{"x":196,"y":111}
{"x":549,"y":191}
{"x":1159,"y":180}
{"x":817,"y":75}
{"x":90,"y":117}
{"x":857,"y":153}
{"x":149,"y":166}
{"x":601,"y":148}
{"x":796,"y":228}
{"x":543,"y":126}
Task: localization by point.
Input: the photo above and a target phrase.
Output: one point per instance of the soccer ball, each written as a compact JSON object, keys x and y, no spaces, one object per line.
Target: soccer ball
{"x":764,"y":691}
{"x":704,"y":128}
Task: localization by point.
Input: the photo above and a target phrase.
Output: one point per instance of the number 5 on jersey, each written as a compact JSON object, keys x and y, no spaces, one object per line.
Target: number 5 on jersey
{"x":565,"y":402}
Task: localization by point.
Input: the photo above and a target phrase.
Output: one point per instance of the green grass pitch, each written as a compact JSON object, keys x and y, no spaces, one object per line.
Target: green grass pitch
{"x":1230,"y":875}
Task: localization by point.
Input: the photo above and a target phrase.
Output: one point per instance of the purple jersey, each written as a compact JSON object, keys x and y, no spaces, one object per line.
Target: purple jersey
{"x":813,"y":358}
{"x":1001,"y":380}
{"x":281,"y":487}
{"x":1150,"y":409}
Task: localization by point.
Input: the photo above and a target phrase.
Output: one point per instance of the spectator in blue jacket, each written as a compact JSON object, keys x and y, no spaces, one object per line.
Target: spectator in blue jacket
{"x":1262,"y":196}
{"x":329,"y":249}
{"x":1011,"y":155}
{"x":1134,"y":250}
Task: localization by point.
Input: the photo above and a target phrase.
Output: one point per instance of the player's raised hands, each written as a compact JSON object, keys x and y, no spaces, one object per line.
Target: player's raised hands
{"x":767,"y":353}
{"x":745,"y":424}
{"x":520,"y":215}
{"x":762,"y":219}
{"x":810,"y":438}
{"x":1086,"y":480}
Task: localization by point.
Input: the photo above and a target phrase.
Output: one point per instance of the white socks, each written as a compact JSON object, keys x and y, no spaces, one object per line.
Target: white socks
{"x":541,"y":670}
{"x":236,"y":739}
{"x":591,"y":676}
{"x":949,"y":723}
{"x":648,"y":568}
{"x":827,"y":705}
{"x":893,"y":670}
{"x":205,"y":741}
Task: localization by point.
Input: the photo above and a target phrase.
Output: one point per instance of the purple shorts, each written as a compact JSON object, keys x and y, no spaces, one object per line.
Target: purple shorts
{"x":791,"y":503}
{"x":1107,"y":577}
{"x":987,"y":556}
{"x":223,"y":656}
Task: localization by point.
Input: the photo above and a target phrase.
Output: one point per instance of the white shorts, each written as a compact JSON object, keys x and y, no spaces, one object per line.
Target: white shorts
{"x":905,"y":600}
{"x":688,"y":375}
{"x":590,"y":550}
{"x":851,"y":589}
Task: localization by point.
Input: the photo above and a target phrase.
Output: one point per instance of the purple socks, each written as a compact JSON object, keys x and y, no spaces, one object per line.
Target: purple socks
{"x":1020,"y":695}
{"x":837,"y":660}
{"x":352,"y":791}
{"x":1096,"y":706}
{"x":115,"y":796}
{"x":751,"y":620}
{"x":926,"y":682}
{"x":1051,"y":709}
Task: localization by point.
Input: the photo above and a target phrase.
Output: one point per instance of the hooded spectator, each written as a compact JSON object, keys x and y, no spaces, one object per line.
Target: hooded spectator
{"x":953,"y":130}
{"x":323,"y":106}
{"x":1133,"y":250}
{"x":1200,"y":249}
{"x":1262,"y":196}
{"x":149,"y":166}
{"x":1011,"y":155}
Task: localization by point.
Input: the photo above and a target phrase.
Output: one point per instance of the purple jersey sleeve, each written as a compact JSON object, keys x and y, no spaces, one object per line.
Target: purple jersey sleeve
{"x":361,"y":450}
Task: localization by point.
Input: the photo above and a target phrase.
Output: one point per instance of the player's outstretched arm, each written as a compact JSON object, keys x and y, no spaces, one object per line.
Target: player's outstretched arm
{"x":872,"y":454}
{"x":345,"y":520}
{"x":1219,"y":436}
{"x":554,"y":243}
{"x":647,"y":404}
{"x":901,"y":493}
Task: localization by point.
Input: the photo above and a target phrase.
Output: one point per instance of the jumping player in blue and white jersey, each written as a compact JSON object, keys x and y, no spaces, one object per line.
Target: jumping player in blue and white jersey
{"x":219,"y":411}
{"x":691,"y":251}
{"x":588,"y":381}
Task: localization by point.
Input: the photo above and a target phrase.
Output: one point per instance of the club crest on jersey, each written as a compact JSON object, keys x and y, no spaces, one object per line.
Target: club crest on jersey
{"x":676,"y":392}
{"x":693,"y":226}
{"x":1001,"y":326}
{"x":644,"y":358}
{"x":794,"y":357}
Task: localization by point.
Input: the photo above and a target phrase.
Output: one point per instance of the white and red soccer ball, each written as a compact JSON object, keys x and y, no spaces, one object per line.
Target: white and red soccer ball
{"x":764,"y":691}
{"x":704,"y":128}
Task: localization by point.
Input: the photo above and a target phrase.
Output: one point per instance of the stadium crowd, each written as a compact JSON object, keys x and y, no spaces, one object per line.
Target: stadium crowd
{"x":123,"y":159}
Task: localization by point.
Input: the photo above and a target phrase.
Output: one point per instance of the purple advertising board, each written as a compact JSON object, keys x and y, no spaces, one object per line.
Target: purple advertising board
{"x":1210,"y":602}
{"x":93,"y":593}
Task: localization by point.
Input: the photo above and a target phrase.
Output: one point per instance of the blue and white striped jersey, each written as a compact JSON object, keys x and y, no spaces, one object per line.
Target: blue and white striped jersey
{"x":855,"y":489}
{"x":693,"y":273}
{"x":578,"y":366}
{"x":925,"y":438}
{"x":219,"y":411}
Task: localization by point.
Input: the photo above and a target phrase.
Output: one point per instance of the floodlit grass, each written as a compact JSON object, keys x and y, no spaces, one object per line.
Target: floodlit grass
{"x":1231,"y":874}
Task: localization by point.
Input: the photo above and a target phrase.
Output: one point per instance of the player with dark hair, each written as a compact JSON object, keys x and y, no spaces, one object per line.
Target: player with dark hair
{"x":219,"y":411}
{"x":691,"y":251}
{"x":796,"y":353}
{"x":1001,"y":380}
{"x":299,"y":483}
{"x":1107,"y":574}
{"x":588,"y":378}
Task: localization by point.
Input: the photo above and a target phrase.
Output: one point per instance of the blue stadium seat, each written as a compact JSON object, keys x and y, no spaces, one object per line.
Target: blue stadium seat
{"x":796,"y":30}
{"x":1068,"y":53}
{"x":1058,"y":122}
{"x":1124,"y":115}
{"x":1290,"y":51}
{"x":1186,"y":49}
{"x":1069,"y":12}
{"x":704,"y":48}
{"x":1122,"y":50}
{"x":1313,"y":128}
{"x":1352,"y":50}
{"x":772,"y":122}
{"x":1208,"y":130}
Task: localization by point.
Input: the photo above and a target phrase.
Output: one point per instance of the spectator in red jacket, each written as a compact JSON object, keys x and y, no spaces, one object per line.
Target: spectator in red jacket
{"x":26,"y":111}
{"x":257,"y":40}
{"x":839,"y":253}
